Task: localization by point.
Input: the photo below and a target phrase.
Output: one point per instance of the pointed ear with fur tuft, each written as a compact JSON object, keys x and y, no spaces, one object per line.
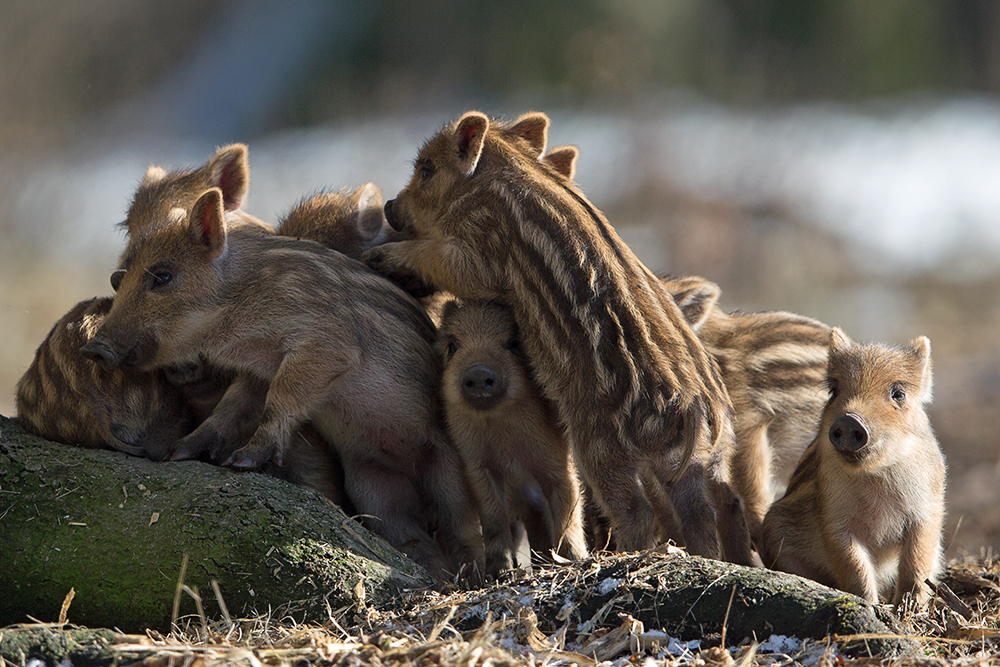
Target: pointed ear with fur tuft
{"x":839,"y":340}
{"x":533,"y":127}
{"x":369,"y":214}
{"x":153,"y":175}
{"x":696,"y":297}
{"x":468,"y":139}
{"x":563,"y":160}
{"x":921,"y":347}
{"x":207,"y":223}
{"x":229,"y":170}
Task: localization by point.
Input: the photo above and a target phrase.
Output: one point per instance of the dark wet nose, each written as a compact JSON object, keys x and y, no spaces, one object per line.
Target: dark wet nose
{"x":848,"y":433}
{"x":390,"y":215}
{"x":99,"y":352}
{"x":482,"y":387}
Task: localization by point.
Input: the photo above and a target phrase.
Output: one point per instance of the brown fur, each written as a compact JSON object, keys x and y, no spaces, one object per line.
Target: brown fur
{"x":774,"y":366}
{"x":337,"y":345}
{"x":348,"y":223}
{"x":867,"y":520}
{"x":517,"y":459}
{"x":65,"y":398}
{"x":167,"y":196}
{"x":640,"y":397}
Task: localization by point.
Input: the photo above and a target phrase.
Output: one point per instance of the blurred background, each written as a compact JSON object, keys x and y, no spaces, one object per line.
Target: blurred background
{"x":836,"y":158}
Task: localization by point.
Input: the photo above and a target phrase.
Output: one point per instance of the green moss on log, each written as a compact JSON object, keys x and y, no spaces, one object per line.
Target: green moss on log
{"x":115,"y":528}
{"x":689,"y":597}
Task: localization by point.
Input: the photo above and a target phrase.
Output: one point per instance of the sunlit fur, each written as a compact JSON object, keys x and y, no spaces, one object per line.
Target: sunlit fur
{"x":516,"y":457}
{"x":165,"y":197}
{"x":774,"y":366}
{"x":347,"y":222}
{"x":636,"y":391}
{"x":868,"y":523}
{"x":337,"y":345}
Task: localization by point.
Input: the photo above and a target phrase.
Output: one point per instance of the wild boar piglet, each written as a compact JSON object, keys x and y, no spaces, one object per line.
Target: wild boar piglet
{"x":517,"y":458}
{"x":865,"y":507}
{"x":337,"y":346}
{"x":641,"y":399}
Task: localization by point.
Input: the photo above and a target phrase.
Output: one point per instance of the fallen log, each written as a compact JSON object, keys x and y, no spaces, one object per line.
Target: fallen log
{"x":115,"y":529}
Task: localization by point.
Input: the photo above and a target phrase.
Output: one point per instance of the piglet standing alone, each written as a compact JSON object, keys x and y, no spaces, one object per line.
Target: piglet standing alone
{"x":865,"y":507}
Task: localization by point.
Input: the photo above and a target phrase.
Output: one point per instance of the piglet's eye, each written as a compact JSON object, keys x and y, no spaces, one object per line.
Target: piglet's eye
{"x":116,"y":279}
{"x":897,"y":394}
{"x":426,"y":170}
{"x":161,"y":278}
{"x":834,"y":388}
{"x":451,"y":348}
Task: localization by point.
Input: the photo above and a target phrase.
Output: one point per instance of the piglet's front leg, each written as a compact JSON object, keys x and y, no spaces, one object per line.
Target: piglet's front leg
{"x":853,"y":569}
{"x":447,"y":264}
{"x":920,"y":559}
{"x":303,"y":383}
{"x":230,"y":425}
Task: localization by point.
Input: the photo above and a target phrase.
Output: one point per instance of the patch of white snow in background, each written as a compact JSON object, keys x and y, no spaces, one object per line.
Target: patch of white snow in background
{"x":678,"y":649}
{"x":913,"y":185}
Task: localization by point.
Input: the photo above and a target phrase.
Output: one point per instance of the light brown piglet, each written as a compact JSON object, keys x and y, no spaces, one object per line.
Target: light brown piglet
{"x":517,"y":458}
{"x":865,"y":507}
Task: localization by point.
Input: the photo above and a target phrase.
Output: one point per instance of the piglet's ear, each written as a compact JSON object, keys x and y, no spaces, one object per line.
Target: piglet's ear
{"x":921,"y":347}
{"x":563,"y":160}
{"x":470,"y":133}
{"x":533,"y":127}
{"x":153,"y":175}
{"x":839,"y":340}
{"x":368,"y":211}
{"x":229,"y":170}
{"x":207,"y":223}
{"x":695,"y":296}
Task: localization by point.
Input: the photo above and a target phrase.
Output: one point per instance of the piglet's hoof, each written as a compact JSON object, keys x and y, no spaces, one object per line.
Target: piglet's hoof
{"x":182,"y":454}
{"x":248,"y":459}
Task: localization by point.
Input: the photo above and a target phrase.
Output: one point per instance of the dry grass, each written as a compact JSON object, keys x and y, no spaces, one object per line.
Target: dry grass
{"x":524,"y":622}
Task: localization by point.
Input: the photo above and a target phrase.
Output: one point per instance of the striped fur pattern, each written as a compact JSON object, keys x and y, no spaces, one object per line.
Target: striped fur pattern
{"x":865,"y":507}
{"x":65,"y":398}
{"x":338,"y":346}
{"x":774,"y":366}
{"x":347,"y":222}
{"x":516,"y":457}
{"x":635,"y":389}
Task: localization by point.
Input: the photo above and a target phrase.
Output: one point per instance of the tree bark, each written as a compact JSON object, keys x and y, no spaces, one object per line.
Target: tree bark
{"x":115,"y":529}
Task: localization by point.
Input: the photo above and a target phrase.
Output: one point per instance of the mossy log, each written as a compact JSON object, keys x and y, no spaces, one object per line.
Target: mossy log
{"x":692,"y":598}
{"x":115,"y":528}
